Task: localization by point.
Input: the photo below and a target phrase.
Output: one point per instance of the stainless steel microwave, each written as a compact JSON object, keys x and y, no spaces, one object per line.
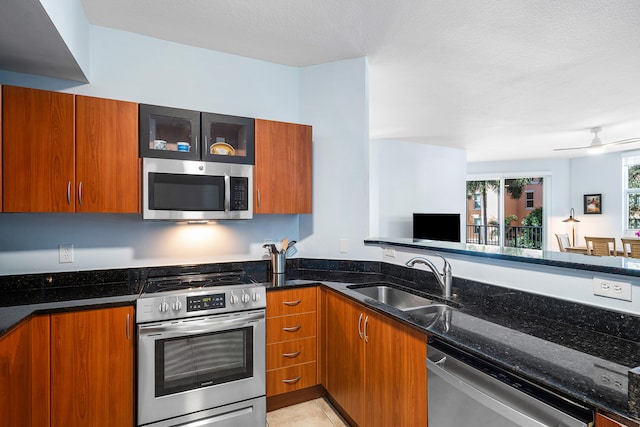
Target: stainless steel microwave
{"x":185,"y":190}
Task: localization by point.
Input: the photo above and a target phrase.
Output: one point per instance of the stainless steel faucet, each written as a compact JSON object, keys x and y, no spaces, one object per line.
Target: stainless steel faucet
{"x":444,"y":278}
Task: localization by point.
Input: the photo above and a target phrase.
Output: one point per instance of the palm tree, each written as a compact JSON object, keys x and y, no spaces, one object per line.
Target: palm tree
{"x":482,"y":187}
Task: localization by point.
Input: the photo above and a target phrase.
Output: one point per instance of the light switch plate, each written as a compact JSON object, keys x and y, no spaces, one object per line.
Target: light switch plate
{"x":344,"y":246}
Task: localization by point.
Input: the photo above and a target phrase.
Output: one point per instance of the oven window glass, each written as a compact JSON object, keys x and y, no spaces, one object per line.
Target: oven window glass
{"x":177,"y":192}
{"x":191,"y":362}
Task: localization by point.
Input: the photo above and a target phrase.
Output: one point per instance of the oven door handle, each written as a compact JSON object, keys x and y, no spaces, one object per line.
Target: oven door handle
{"x":199,"y":326}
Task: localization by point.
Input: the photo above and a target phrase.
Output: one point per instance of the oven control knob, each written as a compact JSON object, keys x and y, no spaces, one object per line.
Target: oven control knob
{"x":233,"y":299}
{"x":163,"y":307}
{"x":177,"y":306}
{"x":246,"y":298}
{"x":256,"y":297}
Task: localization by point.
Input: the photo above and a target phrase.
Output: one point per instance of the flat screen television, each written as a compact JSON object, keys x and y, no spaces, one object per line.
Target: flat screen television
{"x":437,"y":226}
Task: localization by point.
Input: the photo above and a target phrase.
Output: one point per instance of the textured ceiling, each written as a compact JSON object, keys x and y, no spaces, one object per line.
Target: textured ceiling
{"x":502,"y":79}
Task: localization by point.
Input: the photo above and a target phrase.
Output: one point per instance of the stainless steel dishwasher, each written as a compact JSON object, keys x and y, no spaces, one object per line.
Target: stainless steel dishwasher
{"x":464,"y":390}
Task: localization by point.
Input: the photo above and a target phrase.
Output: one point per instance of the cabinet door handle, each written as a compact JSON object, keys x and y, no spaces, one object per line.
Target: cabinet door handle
{"x":292,"y":303}
{"x":292,"y":329}
{"x":80,"y":193}
{"x":291,"y":355}
{"x":360,"y":326}
{"x":293,"y":380}
{"x":366,"y":325}
{"x":258,"y":197}
{"x":68,"y":192}
{"x":128,"y":326}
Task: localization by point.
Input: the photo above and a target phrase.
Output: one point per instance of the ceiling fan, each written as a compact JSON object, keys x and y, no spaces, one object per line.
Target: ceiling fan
{"x":597,"y":146}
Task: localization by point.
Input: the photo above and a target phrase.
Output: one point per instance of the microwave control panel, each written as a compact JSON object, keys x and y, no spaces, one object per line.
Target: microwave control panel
{"x":239,"y":193}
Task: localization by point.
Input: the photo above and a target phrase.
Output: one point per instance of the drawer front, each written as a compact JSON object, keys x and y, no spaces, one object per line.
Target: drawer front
{"x":291,"y":301}
{"x":291,"y":353}
{"x":288,"y":328}
{"x":290,"y":379}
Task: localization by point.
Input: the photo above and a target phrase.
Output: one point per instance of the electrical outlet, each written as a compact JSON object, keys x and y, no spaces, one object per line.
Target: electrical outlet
{"x":389,"y":252}
{"x":611,"y":379}
{"x":65,"y":253}
{"x":612,"y":288}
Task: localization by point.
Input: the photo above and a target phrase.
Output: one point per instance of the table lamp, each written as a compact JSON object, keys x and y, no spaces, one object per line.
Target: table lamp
{"x":572,"y":220}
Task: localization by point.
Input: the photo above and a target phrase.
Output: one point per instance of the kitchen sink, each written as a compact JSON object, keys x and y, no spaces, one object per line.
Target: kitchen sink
{"x":402,"y":300}
{"x":429,"y":310}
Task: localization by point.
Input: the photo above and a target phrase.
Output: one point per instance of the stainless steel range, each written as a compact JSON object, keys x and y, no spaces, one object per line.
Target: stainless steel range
{"x":201,"y":351}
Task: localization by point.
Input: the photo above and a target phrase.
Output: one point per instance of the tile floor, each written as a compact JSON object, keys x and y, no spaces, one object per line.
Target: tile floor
{"x":314,"y":413}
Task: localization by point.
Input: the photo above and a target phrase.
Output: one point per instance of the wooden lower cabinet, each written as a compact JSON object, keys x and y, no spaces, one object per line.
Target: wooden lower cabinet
{"x":291,"y":340}
{"x":24,"y":374}
{"x":92,"y":362}
{"x":604,"y":421}
{"x":375,"y":367}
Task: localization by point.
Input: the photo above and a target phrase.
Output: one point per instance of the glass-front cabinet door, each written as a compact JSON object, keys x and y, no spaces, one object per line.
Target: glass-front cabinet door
{"x":169,"y":133}
{"x":228,"y":139}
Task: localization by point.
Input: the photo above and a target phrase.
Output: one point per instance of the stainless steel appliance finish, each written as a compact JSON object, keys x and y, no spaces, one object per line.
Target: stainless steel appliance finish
{"x":201,"y":351}
{"x":187,"y":190}
{"x":464,"y":390}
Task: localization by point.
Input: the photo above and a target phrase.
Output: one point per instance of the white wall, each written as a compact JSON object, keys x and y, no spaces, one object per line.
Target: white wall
{"x":598,"y":175}
{"x":71,"y":22}
{"x":141,"y":69}
{"x":408,"y":177}
{"x":334,"y":98}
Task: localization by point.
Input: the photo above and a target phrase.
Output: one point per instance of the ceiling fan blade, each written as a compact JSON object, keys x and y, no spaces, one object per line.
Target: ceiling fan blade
{"x":623,"y":141}
{"x":571,"y":148}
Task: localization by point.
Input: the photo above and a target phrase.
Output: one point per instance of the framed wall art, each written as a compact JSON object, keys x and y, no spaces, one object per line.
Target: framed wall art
{"x":592,"y":204}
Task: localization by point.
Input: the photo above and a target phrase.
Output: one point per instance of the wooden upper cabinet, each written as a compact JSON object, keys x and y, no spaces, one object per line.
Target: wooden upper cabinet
{"x":66,"y":153}
{"x":107,"y":165}
{"x":283,"y":168}
{"x":38,"y":150}
{"x":92,"y":368}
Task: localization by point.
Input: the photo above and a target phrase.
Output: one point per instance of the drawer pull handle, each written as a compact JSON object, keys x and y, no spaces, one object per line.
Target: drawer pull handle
{"x":292,"y":303}
{"x":292,"y":329}
{"x":291,"y":355}
{"x":292,"y":381}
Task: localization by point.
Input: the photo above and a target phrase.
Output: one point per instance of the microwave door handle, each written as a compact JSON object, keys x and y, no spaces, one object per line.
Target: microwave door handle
{"x":227,"y":193}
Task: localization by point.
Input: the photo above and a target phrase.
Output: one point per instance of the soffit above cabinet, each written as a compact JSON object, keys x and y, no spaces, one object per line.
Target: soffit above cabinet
{"x":31,"y":44}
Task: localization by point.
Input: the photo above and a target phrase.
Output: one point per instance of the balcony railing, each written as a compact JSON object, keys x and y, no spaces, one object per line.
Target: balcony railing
{"x":515,"y":236}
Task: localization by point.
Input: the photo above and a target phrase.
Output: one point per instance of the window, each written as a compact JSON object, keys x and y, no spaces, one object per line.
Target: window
{"x":631,"y":174}
{"x":505,"y":217}
{"x":477,"y":201}
{"x":528,"y":203}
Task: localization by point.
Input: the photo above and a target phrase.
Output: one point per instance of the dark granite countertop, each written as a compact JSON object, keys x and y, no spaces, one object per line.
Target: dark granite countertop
{"x":24,"y":295}
{"x":584,"y":353}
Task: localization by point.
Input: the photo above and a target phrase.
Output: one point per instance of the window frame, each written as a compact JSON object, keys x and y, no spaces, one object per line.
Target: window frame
{"x":527,"y":200}
{"x":627,"y":162}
